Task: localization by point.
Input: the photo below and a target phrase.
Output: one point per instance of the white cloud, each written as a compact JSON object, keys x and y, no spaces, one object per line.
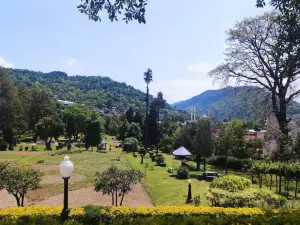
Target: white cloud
{"x":72,"y":61}
{"x":5,"y":63}
{"x":202,"y":67}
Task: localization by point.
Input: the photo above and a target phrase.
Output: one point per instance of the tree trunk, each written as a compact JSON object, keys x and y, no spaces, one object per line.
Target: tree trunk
{"x":279,"y":188}
{"x":116,"y":197}
{"x":204,"y":163}
{"x":288,"y":187}
{"x":226,"y":163}
{"x":146,"y":120}
{"x":198,"y":159}
{"x":112,"y":198}
{"x":259,"y":180}
{"x":122,"y":199}
{"x":22,"y":200}
{"x":296,"y":188}
{"x":276,"y":183}
{"x":18,"y":200}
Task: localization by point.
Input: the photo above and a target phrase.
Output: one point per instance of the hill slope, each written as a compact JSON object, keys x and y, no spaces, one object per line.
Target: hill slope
{"x":99,"y":91}
{"x":243,"y":102}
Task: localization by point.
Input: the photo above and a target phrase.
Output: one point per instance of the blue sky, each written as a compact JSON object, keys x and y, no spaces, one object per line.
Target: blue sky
{"x":180,"y":42}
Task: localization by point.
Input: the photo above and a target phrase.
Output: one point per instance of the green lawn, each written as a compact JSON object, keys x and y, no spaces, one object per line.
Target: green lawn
{"x":162,"y":186}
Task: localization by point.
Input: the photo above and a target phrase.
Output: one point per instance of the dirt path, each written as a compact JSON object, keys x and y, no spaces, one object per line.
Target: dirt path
{"x":87,"y":196}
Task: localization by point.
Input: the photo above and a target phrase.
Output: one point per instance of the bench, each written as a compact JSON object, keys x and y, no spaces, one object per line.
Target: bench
{"x":170,"y":169}
{"x":208,"y":175}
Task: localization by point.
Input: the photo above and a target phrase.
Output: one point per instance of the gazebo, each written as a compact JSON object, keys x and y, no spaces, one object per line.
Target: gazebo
{"x":181,"y":153}
{"x":103,"y":145}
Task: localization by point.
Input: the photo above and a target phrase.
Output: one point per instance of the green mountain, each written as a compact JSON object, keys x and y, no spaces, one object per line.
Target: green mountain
{"x":98,"y":91}
{"x":244,"y":102}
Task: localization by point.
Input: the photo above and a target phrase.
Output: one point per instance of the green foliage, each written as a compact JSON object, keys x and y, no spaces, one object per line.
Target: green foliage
{"x":131,"y":10}
{"x":117,"y":182}
{"x":231,"y":183}
{"x":182,"y":173}
{"x":98,"y":91}
{"x":248,"y":198}
{"x":122,"y":130}
{"x":93,"y":131}
{"x":17,"y":180}
{"x":133,"y":130}
{"x":3,"y":145}
{"x":159,"y":160}
{"x":166,"y":144}
{"x":230,"y":162}
{"x":131,"y":145}
{"x":48,"y":128}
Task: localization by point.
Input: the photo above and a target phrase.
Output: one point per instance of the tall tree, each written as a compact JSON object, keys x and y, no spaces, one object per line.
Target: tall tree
{"x":49,"y":128}
{"x":123,"y":130}
{"x":12,"y":116}
{"x":40,"y":105}
{"x":148,"y":79}
{"x":130,"y":9}
{"x":93,"y":132}
{"x":260,"y":53}
{"x":203,"y":141}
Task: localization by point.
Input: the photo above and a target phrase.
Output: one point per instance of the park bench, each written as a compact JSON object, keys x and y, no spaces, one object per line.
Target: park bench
{"x":209,"y":175}
{"x":170,"y":169}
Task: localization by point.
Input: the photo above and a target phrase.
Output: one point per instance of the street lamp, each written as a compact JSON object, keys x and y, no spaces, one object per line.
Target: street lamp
{"x":66,"y":168}
{"x":189,"y":197}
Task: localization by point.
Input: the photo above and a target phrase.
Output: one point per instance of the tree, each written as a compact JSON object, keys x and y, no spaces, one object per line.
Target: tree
{"x":148,"y":79}
{"x":131,"y":9}
{"x":71,"y":127}
{"x":40,"y":105}
{"x":261,"y":52}
{"x":203,"y":141}
{"x":17,"y":180}
{"x":186,"y":136}
{"x":116,"y":182}
{"x":129,"y":115}
{"x":133,"y":130}
{"x":122,"y":130}
{"x":49,"y":128}
{"x":93,"y":132}
{"x":166,"y":144}
{"x":12,"y":117}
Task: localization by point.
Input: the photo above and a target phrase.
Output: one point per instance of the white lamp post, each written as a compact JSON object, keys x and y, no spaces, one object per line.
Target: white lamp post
{"x":66,"y":168}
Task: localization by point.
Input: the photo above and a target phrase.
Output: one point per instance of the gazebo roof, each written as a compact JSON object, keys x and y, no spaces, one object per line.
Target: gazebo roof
{"x":103,"y":142}
{"x":182,"y":151}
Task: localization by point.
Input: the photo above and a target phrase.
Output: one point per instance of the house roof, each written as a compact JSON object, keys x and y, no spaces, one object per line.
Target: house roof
{"x":182,"y":151}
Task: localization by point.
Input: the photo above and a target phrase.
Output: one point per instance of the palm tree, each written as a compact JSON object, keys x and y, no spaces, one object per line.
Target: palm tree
{"x":148,"y":80}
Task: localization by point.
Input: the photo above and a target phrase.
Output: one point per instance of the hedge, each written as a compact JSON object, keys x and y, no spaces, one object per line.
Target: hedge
{"x":148,"y":215}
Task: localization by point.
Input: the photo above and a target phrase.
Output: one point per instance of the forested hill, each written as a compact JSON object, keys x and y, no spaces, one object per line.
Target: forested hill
{"x":244,"y":102}
{"x":99,"y":91}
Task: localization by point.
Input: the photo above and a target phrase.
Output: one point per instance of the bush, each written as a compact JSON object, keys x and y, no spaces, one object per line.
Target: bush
{"x":21,"y":148}
{"x":233,"y":163}
{"x":26,"y":148}
{"x":231,"y":183}
{"x":182,"y":173}
{"x":27,"y":139}
{"x":79,"y":145}
{"x":40,"y":161}
{"x":33,"y":148}
{"x":249,"y":198}
{"x":61,"y":145}
{"x":159,"y":160}
{"x":163,"y":165}
{"x":131,"y":145}
{"x":69,"y":146}
{"x":57,"y":147}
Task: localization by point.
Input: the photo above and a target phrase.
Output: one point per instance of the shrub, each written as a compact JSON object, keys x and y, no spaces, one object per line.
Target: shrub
{"x":163,"y":165}
{"x":26,"y":148}
{"x":249,"y":198}
{"x":33,"y":148}
{"x":130,"y":145}
{"x":79,"y":145}
{"x":3,"y":145}
{"x":233,"y":163}
{"x":197,"y":200}
{"x":40,"y":161}
{"x":21,"y":148}
{"x":231,"y":183}
{"x":69,"y":146}
{"x":159,"y":160}
{"x":182,"y":173}
{"x":57,"y":147}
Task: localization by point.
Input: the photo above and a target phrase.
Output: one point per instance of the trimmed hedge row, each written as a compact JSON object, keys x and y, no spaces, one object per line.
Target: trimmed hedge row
{"x":161,"y":215}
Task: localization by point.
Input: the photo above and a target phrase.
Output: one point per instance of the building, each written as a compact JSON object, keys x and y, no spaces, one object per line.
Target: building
{"x":67,"y":103}
{"x":252,"y":134}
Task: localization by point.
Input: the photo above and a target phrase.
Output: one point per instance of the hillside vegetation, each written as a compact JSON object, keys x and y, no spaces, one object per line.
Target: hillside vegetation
{"x":242,"y":102}
{"x":98,"y":91}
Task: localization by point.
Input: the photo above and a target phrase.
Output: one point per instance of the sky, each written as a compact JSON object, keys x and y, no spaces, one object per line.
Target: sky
{"x":181,"y":42}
